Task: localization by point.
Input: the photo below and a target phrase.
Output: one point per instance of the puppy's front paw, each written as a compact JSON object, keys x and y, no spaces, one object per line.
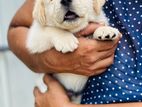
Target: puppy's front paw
{"x":66,"y":44}
{"x":106,"y":33}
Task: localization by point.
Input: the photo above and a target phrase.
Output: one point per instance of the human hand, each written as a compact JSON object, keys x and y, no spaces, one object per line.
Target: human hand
{"x":89,"y":29}
{"x":91,"y":58}
{"x":54,"y":97}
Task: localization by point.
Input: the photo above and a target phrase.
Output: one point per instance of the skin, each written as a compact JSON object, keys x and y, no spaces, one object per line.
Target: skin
{"x":56,"y":92}
{"x":91,"y":58}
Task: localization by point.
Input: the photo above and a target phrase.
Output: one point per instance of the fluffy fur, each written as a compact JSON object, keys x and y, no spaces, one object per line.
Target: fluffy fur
{"x":51,"y":30}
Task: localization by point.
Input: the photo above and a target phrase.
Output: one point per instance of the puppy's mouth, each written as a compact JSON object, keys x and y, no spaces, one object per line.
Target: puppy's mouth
{"x":70,"y":16}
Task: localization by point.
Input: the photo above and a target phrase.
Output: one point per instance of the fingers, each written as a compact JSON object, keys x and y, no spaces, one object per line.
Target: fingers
{"x":52,"y":83}
{"x":103,"y":64}
{"x":37,"y":92}
{"x":99,"y":71}
{"x":90,"y":45}
{"x":105,"y":54}
{"x":48,"y":80}
{"x":89,"y":29}
{"x":37,"y":95}
{"x":88,"y":72}
{"x":92,"y":56}
{"x":97,"y":65}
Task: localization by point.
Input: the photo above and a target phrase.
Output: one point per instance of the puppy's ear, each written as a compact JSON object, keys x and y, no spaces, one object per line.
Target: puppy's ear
{"x":98,"y":5}
{"x":39,"y":12}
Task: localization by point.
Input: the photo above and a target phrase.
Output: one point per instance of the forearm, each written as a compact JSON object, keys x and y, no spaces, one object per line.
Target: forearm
{"x":112,"y":105}
{"x":84,"y":61}
{"x":17,"y":36}
{"x":46,"y":62}
{"x":17,"y":42}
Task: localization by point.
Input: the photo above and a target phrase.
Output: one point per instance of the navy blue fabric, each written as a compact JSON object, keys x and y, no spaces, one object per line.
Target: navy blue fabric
{"x":122,"y":82}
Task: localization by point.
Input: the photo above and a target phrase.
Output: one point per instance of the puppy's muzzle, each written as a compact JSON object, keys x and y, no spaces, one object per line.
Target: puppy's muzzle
{"x":70,"y":16}
{"x":66,"y":2}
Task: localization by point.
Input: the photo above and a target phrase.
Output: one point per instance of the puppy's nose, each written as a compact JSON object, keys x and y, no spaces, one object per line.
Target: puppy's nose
{"x":66,"y":2}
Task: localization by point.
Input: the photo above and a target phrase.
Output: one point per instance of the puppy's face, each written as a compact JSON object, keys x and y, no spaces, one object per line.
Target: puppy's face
{"x":65,"y":14}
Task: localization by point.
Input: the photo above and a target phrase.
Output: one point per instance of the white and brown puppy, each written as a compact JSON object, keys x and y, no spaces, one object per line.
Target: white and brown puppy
{"x":55,"y":21}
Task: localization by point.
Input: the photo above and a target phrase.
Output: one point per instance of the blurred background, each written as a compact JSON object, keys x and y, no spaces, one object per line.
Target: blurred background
{"x":16,"y":80}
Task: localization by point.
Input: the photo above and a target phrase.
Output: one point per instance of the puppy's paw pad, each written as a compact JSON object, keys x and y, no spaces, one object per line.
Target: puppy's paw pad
{"x":66,"y":44}
{"x":106,"y":33}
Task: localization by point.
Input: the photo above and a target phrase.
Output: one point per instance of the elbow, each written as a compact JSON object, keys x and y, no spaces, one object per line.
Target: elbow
{"x":10,"y":36}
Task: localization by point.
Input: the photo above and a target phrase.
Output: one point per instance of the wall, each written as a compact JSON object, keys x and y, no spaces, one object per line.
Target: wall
{"x":16,"y":80}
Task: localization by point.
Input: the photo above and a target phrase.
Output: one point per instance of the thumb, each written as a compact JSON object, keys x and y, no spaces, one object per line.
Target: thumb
{"x":89,"y":29}
{"x":36,"y":92}
{"x":48,"y":80}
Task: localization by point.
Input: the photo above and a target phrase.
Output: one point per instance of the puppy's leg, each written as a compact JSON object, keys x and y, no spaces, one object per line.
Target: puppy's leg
{"x":40,"y":84}
{"x":42,"y":39}
{"x":64,"y":41}
{"x":106,"y":33}
{"x":38,"y":39}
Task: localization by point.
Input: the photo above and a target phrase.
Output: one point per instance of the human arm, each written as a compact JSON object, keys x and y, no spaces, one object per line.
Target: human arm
{"x":91,"y":57}
{"x":56,"y":92}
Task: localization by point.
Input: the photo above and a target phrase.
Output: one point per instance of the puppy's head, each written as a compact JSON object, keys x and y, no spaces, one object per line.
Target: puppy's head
{"x":70,"y":15}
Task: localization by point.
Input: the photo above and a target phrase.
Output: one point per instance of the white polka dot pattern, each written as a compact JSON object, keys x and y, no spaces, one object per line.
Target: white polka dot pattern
{"x":122,"y":82}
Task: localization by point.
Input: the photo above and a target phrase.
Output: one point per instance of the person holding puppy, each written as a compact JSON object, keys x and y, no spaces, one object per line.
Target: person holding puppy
{"x":87,"y":60}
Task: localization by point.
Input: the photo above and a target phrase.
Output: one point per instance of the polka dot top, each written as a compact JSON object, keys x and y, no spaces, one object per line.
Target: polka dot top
{"x":122,"y":82}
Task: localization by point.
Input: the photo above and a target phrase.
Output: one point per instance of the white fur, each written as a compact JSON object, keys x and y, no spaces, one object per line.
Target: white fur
{"x":57,"y":33}
{"x":107,"y":30}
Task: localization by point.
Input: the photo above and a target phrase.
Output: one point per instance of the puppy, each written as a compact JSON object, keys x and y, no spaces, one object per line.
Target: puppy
{"x":54,"y":25}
